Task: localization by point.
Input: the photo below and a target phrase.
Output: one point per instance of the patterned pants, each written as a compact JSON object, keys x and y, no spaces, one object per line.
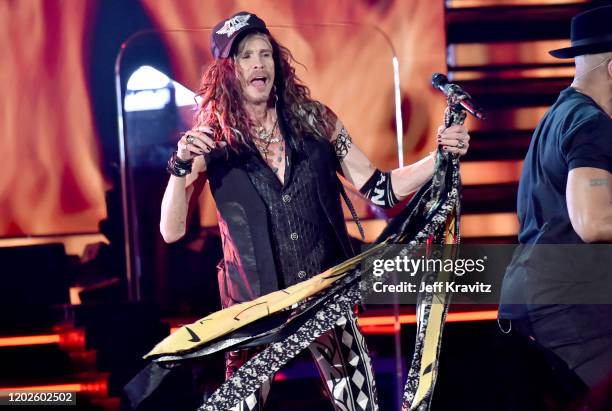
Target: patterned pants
{"x":343,"y":362}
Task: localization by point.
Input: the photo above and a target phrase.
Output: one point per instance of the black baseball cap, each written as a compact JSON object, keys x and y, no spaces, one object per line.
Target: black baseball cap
{"x":225,"y":33}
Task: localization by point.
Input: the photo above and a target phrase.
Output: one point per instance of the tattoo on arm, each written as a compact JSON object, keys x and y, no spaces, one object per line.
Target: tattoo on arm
{"x":343,"y":143}
{"x":598,"y":182}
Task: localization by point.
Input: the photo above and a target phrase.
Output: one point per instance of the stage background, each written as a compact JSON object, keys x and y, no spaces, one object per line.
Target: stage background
{"x":58,"y":117}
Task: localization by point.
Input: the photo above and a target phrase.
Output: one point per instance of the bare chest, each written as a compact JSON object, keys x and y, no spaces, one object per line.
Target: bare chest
{"x":274,"y":154}
{"x":275,"y":158}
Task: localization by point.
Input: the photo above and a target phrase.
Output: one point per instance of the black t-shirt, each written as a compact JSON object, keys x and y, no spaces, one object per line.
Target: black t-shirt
{"x":575,"y":132}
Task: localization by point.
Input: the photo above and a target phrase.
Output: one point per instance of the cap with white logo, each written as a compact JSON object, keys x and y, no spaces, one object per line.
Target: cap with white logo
{"x":228,"y":31}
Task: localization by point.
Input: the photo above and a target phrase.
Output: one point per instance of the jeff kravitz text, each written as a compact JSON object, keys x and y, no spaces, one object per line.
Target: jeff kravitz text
{"x":424,"y":265}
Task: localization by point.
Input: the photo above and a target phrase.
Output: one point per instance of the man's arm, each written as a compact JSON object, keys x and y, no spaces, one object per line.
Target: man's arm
{"x":359,"y":170}
{"x":589,"y":203}
{"x":179,"y":201}
{"x":182,"y":193}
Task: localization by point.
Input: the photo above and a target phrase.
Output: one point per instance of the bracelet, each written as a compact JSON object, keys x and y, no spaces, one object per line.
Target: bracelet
{"x":178,"y":167}
{"x":378,"y":189}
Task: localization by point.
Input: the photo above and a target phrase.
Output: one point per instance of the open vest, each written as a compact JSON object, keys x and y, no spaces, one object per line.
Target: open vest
{"x":248,"y":269}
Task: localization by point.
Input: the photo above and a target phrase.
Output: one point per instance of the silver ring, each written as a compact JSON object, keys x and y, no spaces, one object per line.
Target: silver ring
{"x":460,"y":145}
{"x":190,"y":139}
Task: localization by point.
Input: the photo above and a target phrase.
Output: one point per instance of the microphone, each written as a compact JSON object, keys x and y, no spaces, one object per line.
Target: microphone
{"x":440,"y":81}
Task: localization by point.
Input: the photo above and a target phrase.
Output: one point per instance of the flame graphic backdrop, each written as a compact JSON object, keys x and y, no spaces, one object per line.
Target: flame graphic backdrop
{"x":51,"y":179}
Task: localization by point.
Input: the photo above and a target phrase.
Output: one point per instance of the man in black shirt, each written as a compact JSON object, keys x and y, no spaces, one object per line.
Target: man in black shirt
{"x":270,"y":154}
{"x":565,"y":198}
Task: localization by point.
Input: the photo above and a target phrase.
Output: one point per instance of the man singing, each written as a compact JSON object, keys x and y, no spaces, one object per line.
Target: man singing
{"x":271,"y":154}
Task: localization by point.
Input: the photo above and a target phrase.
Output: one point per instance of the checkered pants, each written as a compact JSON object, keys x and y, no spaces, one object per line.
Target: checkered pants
{"x":343,"y":362}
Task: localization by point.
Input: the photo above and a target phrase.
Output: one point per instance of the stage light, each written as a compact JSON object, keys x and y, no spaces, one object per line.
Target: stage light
{"x":68,"y":339}
{"x":147,"y":78}
{"x":150,"y":89}
{"x":386,"y":324}
{"x":147,"y":100}
{"x":97,"y":388}
{"x":184,"y":97}
{"x":29,"y":340}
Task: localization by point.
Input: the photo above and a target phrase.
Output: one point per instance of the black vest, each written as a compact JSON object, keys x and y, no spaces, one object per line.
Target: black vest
{"x":248,"y":269}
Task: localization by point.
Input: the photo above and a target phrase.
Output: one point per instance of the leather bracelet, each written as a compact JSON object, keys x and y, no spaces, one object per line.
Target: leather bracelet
{"x":178,"y":167}
{"x":177,"y":159}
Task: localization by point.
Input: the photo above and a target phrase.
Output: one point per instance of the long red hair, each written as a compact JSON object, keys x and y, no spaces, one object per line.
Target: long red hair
{"x":222,"y":106}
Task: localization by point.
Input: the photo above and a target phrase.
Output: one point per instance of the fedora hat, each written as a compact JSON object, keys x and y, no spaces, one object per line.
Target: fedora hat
{"x":591,"y":33}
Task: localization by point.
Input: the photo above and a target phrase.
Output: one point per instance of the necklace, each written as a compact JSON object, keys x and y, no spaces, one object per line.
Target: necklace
{"x":265,"y":138}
